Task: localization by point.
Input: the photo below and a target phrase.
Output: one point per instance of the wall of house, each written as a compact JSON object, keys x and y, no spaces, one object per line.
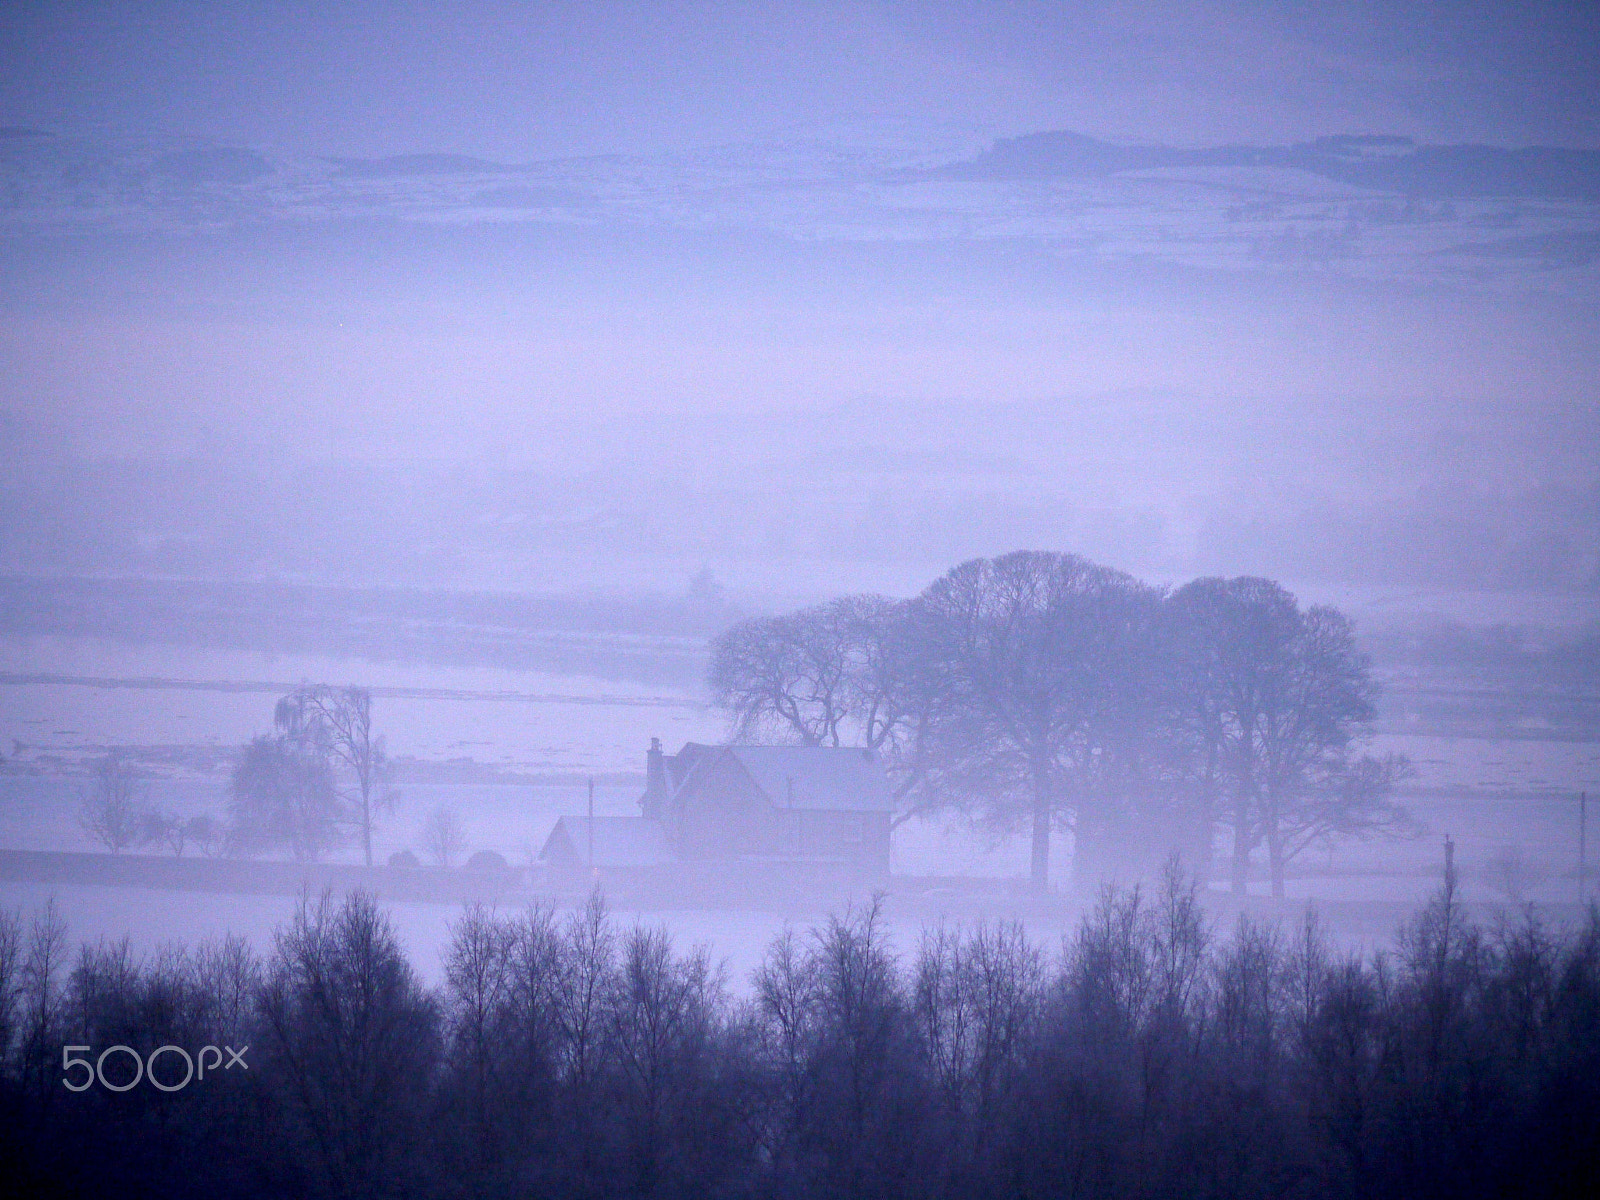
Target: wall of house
{"x":726,"y":816}
{"x":856,"y":837}
{"x":875,"y":845}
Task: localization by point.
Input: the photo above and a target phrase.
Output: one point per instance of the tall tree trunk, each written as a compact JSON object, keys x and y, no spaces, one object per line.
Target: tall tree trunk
{"x":1242,"y":805}
{"x":1204,"y":862}
{"x":1241,"y":853}
{"x":1274,"y":844}
{"x":1039,"y":866}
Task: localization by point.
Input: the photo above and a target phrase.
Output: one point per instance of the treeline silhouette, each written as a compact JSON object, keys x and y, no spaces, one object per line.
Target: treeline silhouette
{"x":565,"y":1055}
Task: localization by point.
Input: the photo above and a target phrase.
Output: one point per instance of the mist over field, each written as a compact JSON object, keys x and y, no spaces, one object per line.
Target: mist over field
{"x":1165,"y":438}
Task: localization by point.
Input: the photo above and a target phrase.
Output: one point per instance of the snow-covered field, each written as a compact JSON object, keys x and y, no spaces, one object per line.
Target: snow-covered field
{"x":64,"y":700}
{"x":143,"y":695}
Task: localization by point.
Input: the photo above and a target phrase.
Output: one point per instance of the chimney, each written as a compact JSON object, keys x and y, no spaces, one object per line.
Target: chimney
{"x":654,"y":800}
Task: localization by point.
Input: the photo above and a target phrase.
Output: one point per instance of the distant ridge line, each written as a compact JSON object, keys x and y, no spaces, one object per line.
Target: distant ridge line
{"x":1387,"y":163}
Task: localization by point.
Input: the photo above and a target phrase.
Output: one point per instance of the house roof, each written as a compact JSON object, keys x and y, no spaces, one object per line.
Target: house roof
{"x":837,"y":779}
{"x":618,"y":842}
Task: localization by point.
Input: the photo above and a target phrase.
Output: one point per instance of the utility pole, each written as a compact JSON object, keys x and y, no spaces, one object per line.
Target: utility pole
{"x":591,"y":823}
{"x":1583,"y":848}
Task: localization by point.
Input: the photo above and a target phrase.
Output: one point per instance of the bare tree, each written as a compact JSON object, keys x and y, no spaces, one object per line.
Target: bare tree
{"x":976,"y":1002}
{"x":38,"y":995}
{"x":101,"y":998}
{"x":478,"y":983}
{"x":161,"y":828}
{"x":338,"y":721}
{"x":350,"y":1042}
{"x":840,"y":673}
{"x":785,"y":986}
{"x":155,"y":826}
{"x":1341,"y":794}
{"x":588,"y":963}
{"x":821,"y":676}
{"x":536,"y":960}
{"x":785,"y":675}
{"x":442,"y":836}
{"x":662,"y":1009}
{"x":588,"y":956}
{"x":1315,"y":783}
{"x":229,"y":977}
{"x":113,"y":812}
{"x":282,"y":795}
{"x":206,"y":833}
{"x":1029,"y":656}
{"x":1197,"y":645}
{"x":10,"y":979}
{"x":1277,"y":700}
{"x":863,"y":1041}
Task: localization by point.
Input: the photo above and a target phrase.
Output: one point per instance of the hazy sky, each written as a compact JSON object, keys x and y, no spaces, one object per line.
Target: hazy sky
{"x":1184,"y":350}
{"x":518,"y":81}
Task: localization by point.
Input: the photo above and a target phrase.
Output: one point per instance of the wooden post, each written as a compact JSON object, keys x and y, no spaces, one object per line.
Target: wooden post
{"x":591,"y":823}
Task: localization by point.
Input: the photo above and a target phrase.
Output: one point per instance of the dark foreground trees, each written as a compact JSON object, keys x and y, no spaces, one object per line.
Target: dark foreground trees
{"x":563,"y":1055}
{"x":345,"y":1033}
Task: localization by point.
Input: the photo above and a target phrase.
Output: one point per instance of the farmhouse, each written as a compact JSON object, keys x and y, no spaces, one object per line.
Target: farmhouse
{"x":794,"y":804}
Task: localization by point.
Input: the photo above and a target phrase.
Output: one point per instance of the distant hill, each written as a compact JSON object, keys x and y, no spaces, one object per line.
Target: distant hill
{"x":1383,"y":162}
{"x":403,"y":166}
{"x":223,"y":164}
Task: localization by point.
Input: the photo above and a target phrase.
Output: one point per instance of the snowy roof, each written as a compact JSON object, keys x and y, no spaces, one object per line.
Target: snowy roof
{"x":618,"y":842}
{"x":839,"y":779}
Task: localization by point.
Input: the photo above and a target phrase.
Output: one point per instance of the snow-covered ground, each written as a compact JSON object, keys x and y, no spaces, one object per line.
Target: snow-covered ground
{"x":532,"y":737}
{"x":548,"y":732}
{"x":144,"y":695}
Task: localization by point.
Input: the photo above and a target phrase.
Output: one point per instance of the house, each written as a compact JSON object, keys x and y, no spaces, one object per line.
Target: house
{"x":808,"y":806}
{"x":795,"y":803}
{"x":580,"y":842}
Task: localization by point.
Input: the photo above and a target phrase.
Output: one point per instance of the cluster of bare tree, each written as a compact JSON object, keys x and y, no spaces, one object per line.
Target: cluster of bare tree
{"x":1044,"y":691}
{"x":321,"y":773}
{"x":564,"y":1056}
{"x":116,"y":813}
